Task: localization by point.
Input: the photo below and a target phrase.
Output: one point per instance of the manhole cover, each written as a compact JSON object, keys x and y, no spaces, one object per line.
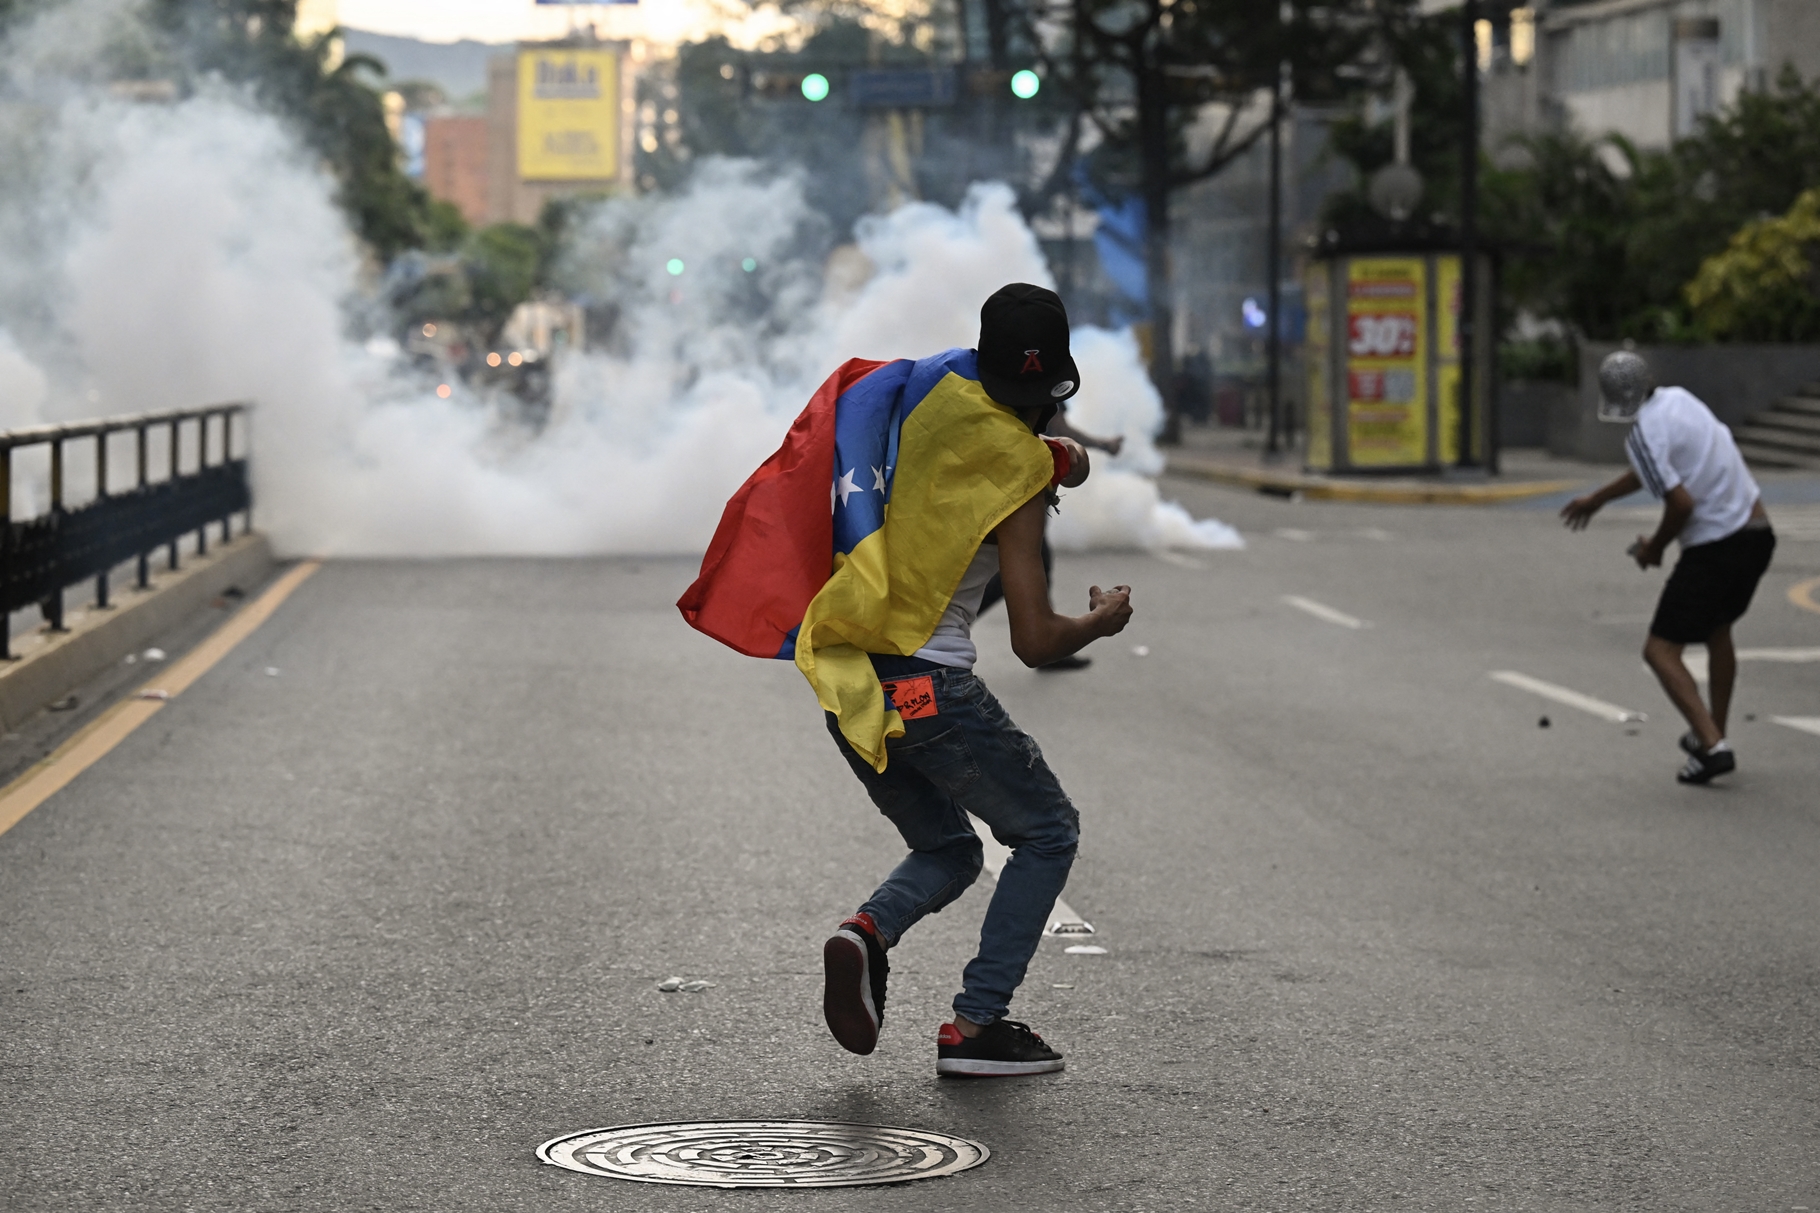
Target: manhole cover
{"x":763,"y":1153}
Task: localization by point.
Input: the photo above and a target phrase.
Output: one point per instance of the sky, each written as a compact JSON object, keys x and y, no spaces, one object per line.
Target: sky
{"x":665,"y":21}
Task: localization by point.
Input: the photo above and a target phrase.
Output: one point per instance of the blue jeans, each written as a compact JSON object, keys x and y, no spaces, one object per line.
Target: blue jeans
{"x":967,"y":757}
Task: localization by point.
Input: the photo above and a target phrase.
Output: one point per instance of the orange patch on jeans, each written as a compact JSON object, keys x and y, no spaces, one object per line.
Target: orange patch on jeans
{"x":914,"y":698}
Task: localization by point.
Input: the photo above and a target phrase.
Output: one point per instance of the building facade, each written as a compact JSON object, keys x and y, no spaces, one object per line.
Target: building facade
{"x":559,"y":123}
{"x":455,"y":164}
{"x":1644,"y":69}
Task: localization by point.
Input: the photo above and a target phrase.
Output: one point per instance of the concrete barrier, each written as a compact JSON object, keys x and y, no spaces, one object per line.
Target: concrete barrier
{"x":1524,"y":409}
{"x":49,"y":665}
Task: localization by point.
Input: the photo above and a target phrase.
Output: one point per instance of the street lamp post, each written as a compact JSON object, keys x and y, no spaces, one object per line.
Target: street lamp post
{"x":1273,"y":261}
{"x":1467,"y":327}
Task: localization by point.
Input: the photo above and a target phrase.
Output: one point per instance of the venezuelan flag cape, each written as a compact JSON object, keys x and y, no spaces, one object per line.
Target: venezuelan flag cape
{"x":853,"y":537}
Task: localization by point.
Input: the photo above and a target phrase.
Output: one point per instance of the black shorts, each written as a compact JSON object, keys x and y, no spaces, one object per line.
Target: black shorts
{"x":1712,"y":585}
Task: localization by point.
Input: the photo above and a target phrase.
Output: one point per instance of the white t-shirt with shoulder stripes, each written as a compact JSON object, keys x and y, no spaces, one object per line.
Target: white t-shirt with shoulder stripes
{"x":1677,"y":442}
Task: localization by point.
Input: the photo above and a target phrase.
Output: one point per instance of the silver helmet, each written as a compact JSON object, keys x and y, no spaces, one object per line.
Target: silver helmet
{"x":1625,"y":382}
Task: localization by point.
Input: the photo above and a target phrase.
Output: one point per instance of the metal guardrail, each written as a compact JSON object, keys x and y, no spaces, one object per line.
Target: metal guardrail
{"x":40,"y":557}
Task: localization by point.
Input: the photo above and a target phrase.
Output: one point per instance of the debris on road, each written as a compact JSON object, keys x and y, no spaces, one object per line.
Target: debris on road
{"x":1542,"y":723}
{"x":154,"y":654}
{"x":696,"y":987}
{"x":131,"y":659}
{"x":153,"y":693}
{"x":66,"y":704}
{"x":670,"y":985}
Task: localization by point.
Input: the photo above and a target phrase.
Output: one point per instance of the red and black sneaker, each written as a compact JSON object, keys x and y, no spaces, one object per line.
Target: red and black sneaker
{"x":853,"y":1000}
{"x":1006,"y":1048}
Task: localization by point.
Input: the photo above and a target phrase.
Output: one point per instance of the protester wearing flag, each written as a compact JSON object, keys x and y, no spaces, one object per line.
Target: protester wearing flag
{"x":860,"y":551}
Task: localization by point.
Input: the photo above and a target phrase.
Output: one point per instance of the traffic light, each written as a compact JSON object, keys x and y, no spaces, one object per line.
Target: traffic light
{"x":789,"y":86}
{"x":1024,"y":84}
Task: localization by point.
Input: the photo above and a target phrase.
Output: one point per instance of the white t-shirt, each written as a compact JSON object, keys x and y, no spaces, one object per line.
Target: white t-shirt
{"x":952,"y":642}
{"x":1677,"y":441}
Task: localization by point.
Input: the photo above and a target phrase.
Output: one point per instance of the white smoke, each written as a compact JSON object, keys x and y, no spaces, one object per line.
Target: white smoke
{"x":23,"y":386}
{"x":165,"y":255}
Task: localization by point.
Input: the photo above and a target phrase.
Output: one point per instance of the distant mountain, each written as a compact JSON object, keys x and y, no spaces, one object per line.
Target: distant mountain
{"x":459,"y":68}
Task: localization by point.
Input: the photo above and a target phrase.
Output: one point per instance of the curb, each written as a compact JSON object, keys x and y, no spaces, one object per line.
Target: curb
{"x":1401,"y":492}
{"x":51,"y":666}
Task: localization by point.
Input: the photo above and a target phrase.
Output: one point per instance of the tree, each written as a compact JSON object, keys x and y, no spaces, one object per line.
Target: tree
{"x":1124,"y":83}
{"x":1600,"y":234}
{"x":1752,"y":160}
{"x":505,"y":263}
{"x":1568,"y":216}
{"x":334,"y":111}
{"x":734,"y":102}
{"x":339,"y":115}
{"x":1427,"y":48}
{"x":1140,"y":73}
{"x":1764,"y":287}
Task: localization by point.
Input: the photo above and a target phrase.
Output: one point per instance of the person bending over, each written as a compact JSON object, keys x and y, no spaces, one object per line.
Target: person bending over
{"x":1686,"y":459}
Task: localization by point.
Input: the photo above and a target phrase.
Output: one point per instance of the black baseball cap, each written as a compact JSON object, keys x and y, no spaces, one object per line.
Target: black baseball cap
{"x":1023,"y":351}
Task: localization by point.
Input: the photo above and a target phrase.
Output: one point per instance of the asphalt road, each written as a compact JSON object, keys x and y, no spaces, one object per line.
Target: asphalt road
{"x":362,"y":934}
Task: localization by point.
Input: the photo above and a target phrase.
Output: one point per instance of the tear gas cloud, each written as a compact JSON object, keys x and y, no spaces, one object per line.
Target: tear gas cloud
{"x":165,"y":255}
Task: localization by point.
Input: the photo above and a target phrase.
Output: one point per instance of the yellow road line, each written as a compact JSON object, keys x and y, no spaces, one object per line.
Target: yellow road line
{"x":113,"y":726}
{"x":1803,"y":594}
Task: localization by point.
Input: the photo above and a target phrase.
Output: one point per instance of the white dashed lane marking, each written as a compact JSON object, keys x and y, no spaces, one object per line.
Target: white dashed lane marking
{"x":1321,"y":610}
{"x":1062,"y":920}
{"x":1568,"y":696}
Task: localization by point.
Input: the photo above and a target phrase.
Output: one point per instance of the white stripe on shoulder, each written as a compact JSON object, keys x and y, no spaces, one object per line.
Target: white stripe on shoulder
{"x":1645,"y":462}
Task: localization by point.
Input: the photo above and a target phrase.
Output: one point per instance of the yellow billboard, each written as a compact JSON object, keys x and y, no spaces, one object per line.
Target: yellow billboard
{"x":1387,"y":361}
{"x":568,"y":115}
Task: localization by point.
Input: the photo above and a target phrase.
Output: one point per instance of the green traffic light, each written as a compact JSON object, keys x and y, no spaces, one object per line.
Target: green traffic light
{"x":815,"y":86}
{"x":1024,"y":84}
{"x":675,"y":266}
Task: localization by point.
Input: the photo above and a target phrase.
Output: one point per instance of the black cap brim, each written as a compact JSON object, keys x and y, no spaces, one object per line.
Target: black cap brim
{"x":1020,"y":393}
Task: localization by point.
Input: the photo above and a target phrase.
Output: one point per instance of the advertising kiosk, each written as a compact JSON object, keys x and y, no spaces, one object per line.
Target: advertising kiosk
{"x":1383,"y":358}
